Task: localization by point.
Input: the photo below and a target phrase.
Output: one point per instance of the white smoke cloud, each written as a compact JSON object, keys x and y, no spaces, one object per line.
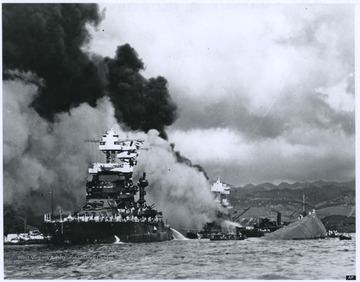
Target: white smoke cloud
{"x":180,"y":191}
{"x":40,"y":156}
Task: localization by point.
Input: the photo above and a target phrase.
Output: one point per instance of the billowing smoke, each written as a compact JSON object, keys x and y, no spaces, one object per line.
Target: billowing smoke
{"x":180,"y":191}
{"x":49,"y":40}
{"x":40,"y":156}
{"x":55,"y":95}
{"x":141,"y":103}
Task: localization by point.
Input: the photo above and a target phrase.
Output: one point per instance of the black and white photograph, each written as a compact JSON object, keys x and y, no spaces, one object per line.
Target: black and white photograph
{"x":179,"y":140}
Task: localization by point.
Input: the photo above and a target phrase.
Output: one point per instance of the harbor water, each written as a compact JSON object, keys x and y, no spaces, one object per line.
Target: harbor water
{"x":251,"y":259}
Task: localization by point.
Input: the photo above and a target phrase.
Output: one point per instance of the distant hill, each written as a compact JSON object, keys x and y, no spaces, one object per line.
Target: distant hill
{"x":296,"y":185}
{"x":340,"y":223}
{"x":264,"y":200}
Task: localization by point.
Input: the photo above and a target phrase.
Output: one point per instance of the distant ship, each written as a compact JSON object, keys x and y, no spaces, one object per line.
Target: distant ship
{"x":111,"y":213}
{"x":221,"y":191}
{"x":308,"y":226}
{"x":222,"y":228}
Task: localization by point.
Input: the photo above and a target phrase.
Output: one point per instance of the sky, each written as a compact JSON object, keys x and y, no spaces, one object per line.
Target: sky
{"x":266,"y":93}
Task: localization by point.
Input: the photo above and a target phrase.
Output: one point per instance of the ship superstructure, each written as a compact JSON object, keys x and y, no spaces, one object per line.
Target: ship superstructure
{"x":115,"y":207}
{"x":222,"y":225}
{"x":221,"y":192}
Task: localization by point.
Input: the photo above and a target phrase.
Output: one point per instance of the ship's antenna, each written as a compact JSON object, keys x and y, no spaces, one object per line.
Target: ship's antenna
{"x":303,"y":203}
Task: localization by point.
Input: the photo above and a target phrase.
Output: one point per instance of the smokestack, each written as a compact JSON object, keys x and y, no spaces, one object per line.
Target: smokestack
{"x":142,"y":184}
{"x":278,"y":219}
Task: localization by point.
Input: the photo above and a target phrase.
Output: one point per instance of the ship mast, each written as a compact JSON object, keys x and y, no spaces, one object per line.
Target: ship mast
{"x":303,"y":203}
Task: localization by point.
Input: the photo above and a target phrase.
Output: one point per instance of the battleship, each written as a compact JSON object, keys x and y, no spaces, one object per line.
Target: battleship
{"x":222,"y":228}
{"x":115,"y":208}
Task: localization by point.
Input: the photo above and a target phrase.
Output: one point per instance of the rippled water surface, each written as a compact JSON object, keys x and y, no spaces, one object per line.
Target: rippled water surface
{"x":253,"y":258}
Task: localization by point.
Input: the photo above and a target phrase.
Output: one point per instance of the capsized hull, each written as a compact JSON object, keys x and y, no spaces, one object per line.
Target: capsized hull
{"x":309,"y":227}
{"x":106,"y":232}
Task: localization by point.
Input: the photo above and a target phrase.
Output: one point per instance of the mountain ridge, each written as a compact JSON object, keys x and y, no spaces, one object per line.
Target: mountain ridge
{"x":328,"y":198}
{"x":295,"y":185}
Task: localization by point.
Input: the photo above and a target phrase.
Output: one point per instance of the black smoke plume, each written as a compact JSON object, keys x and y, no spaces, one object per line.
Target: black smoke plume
{"x":181,"y":159}
{"x":49,"y":40}
{"x":56,"y":95}
{"x":143,"y":104}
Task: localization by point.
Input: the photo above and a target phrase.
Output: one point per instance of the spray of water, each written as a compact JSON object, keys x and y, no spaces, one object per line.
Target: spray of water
{"x":117,"y":240}
{"x":177,"y":235}
{"x":229,"y":226}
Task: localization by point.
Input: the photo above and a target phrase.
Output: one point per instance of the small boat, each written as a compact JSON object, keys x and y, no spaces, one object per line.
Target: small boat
{"x":344,"y":237}
{"x":252,"y":231}
{"x":226,"y":237}
{"x":192,"y":235}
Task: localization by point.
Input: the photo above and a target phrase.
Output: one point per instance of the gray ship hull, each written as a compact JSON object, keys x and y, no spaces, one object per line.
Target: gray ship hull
{"x":106,"y":232}
{"x":309,"y":227}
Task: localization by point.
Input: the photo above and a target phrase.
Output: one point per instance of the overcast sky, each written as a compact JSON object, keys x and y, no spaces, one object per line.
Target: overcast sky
{"x":265,"y":92}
